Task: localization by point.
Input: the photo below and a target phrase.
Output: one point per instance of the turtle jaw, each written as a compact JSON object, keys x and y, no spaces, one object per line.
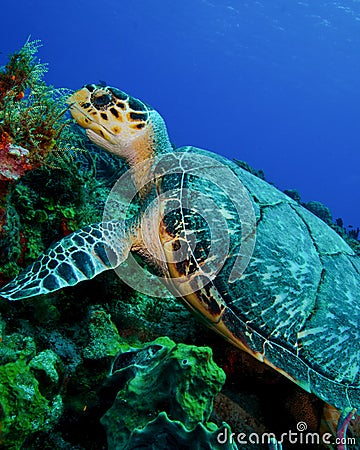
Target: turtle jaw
{"x":86,"y":121}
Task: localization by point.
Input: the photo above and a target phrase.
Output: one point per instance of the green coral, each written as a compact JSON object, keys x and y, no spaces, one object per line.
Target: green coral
{"x":29,"y":389}
{"x":24,"y":409}
{"x":37,"y":140}
{"x":162,"y":432}
{"x":150,"y":317}
{"x":16,"y":346}
{"x":104,"y":339}
{"x":46,"y":367}
{"x":167,"y":383}
{"x":22,"y":71}
{"x":44,"y":205}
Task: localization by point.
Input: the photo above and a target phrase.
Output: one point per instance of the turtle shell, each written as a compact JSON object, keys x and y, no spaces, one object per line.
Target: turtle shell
{"x":296,"y":304}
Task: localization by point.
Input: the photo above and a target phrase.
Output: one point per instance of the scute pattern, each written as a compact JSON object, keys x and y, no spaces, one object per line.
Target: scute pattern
{"x":297,"y":304}
{"x":281,"y":272}
{"x":334,"y":326}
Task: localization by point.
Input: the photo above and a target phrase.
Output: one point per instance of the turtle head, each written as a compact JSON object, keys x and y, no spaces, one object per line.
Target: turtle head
{"x":119,"y":123}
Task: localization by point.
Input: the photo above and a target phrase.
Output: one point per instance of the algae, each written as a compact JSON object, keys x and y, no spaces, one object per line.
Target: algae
{"x":24,"y":409}
{"x":104,"y":339}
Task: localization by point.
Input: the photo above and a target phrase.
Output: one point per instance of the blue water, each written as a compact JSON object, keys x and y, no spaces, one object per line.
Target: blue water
{"x":274,"y":83}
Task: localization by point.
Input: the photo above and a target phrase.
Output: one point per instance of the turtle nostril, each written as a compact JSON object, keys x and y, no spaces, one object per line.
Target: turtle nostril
{"x":101,"y":100}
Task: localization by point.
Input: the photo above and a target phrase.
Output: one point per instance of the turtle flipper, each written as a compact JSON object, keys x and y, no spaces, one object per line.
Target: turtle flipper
{"x":78,"y":257}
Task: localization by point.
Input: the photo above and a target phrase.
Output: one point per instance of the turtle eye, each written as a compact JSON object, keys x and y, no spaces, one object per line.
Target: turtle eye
{"x":101,"y":99}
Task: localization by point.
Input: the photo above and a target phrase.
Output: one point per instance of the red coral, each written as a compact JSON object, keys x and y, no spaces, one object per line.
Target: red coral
{"x":5,"y":141}
{"x":64,"y":227}
{"x":24,"y":246}
{"x":13,"y":164}
{"x":14,"y":161}
{"x":16,"y":77}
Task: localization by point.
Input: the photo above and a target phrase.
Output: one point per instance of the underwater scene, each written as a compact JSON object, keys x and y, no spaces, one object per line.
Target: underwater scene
{"x":179,"y":225}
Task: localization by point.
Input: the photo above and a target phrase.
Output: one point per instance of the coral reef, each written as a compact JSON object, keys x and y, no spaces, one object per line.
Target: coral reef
{"x":354,"y":233}
{"x":294,"y":194}
{"x":47,"y":204}
{"x":163,"y":433}
{"x":104,"y":338}
{"x":320,"y":210}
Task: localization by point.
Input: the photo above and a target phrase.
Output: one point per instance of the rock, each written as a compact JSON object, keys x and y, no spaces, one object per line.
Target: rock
{"x":294,"y":194}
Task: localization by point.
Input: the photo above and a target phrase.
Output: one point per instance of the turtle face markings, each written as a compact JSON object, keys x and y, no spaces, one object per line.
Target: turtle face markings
{"x":110,"y":113}
{"x":121,"y":124}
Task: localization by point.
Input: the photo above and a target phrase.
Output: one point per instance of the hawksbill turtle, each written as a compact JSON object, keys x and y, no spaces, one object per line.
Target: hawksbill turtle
{"x":290,"y":298}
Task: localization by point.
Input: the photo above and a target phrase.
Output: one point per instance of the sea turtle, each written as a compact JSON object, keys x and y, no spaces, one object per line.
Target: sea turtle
{"x":295,"y":306}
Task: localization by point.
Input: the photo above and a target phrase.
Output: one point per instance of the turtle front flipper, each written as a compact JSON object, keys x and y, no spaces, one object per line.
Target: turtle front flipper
{"x":80,"y":256}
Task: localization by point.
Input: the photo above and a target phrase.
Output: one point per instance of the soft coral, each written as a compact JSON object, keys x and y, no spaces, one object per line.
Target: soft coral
{"x":14,"y":160}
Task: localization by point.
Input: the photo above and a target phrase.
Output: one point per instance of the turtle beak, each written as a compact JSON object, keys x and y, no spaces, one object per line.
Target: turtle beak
{"x":80,"y":97}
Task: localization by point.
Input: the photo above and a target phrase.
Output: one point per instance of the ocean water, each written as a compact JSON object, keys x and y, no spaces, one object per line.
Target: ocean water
{"x":274,"y":83}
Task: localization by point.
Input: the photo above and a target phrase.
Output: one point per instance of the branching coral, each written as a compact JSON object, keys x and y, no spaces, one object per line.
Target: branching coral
{"x":32,"y":122}
{"x":22,"y":71}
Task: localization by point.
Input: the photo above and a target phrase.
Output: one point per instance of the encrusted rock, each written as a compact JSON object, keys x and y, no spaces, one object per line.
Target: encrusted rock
{"x":24,"y":410}
{"x":320,"y":210}
{"x":104,"y":339}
